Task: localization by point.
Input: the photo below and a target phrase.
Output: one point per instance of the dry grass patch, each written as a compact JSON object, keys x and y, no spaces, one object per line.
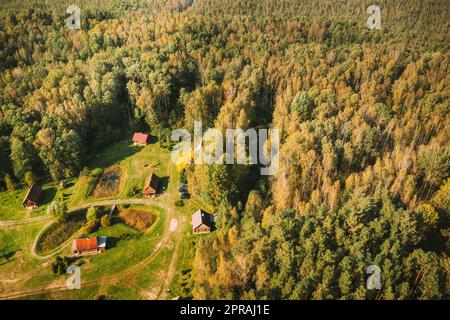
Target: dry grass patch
{"x":139,"y":219}
{"x":108,"y":184}
{"x":57,"y":234}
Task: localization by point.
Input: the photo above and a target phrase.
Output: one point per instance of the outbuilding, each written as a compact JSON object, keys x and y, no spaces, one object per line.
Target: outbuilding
{"x":32,"y":197}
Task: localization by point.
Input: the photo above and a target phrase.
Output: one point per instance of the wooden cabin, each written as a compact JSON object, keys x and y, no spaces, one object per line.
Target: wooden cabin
{"x":202,"y":222}
{"x":151,"y":185}
{"x":31,"y":200}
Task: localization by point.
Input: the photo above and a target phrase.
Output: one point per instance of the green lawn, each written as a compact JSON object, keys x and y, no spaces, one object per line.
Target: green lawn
{"x":11,"y":203}
{"x":127,"y":246}
{"x":19,"y":270}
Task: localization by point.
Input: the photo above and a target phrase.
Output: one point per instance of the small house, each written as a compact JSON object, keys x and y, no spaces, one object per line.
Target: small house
{"x":202,"y":222}
{"x":151,"y":185}
{"x":141,"y":139}
{"x":89,"y":246}
{"x":31,"y":200}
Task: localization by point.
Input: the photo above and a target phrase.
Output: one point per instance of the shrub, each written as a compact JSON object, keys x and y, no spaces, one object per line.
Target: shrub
{"x":93,"y":214}
{"x":30,"y":178}
{"x":179,"y":203}
{"x":183,"y":178}
{"x":58,"y":209}
{"x":91,"y":226}
{"x":140,"y":220}
{"x":105,"y":221}
{"x":59,"y":266}
{"x":9,"y":182}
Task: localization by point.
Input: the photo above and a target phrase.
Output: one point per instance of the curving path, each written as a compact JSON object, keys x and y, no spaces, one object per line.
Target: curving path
{"x":164,"y":201}
{"x":61,"y":286}
{"x":105,"y":203}
{"x":23,"y":221}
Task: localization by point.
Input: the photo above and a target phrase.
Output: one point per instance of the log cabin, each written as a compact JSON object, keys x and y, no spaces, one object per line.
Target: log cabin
{"x":151,"y":185}
{"x":32,"y":197}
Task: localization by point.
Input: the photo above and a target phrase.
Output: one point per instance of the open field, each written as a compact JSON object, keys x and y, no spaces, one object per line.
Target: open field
{"x":127,"y":247}
{"x":11,"y":203}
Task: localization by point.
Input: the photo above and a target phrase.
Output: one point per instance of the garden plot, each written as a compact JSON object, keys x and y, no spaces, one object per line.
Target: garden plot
{"x":108,"y":184}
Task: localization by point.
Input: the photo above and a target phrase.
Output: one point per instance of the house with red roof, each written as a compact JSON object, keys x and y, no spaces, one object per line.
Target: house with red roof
{"x":141,"y":139}
{"x":88,"y":246}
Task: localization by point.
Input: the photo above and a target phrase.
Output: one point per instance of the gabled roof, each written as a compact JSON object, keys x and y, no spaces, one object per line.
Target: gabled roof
{"x":84,"y":244}
{"x":141,"y":138}
{"x":152,"y":181}
{"x":202,"y":217}
{"x":33,"y":194}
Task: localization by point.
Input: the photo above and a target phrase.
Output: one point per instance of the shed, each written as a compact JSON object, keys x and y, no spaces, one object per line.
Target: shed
{"x":32,"y":197}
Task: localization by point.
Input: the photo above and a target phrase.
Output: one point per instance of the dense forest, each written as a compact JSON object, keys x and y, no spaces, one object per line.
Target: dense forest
{"x":364,"y":173}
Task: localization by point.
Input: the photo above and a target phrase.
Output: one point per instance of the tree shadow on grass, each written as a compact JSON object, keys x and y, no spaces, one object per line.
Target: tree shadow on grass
{"x":163,"y":184}
{"x":152,"y":139}
{"x":8,"y":256}
{"x":111,"y":242}
{"x":48,"y":195}
{"x":113,"y":154}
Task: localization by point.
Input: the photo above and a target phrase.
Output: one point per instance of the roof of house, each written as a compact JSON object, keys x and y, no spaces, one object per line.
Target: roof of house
{"x":152,"y":181}
{"x":84,"y":244}
{"x":139,"y":137}
{"x":33,"y":194}
{"x":202,"y":217}
{"x":101,"y":242}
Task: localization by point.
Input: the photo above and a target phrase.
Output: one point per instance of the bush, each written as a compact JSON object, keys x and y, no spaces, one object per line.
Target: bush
{"x":183,"y":178}
{"x":179,"y":203}
{"x":58,"y":209}
{"x":9,"y":182}
{"x":59,"y":266}
{"x":140,"y":220}
{"x":105,"y":221}
{"x":91,"y":226}
{"x":94,"y":214}
{"x":30,"y":178}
